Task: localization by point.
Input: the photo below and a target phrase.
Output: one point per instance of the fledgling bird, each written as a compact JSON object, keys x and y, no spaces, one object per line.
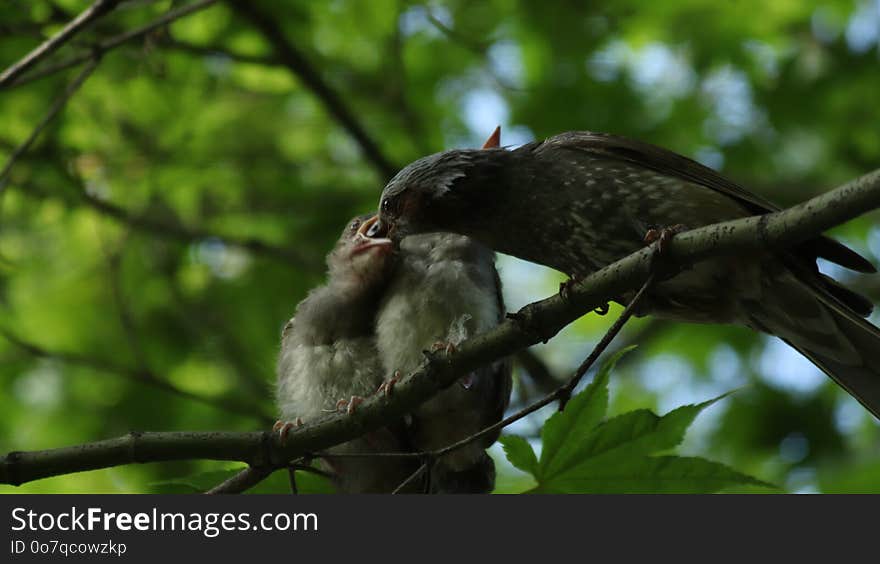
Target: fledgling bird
{"x":328,"y":354}
{"x":580,"y":200}
{"x":444,"y":289}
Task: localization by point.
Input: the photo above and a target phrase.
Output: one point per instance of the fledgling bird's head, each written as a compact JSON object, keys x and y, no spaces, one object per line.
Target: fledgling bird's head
{"x":359,"y":262}
{"x":435,"y":191}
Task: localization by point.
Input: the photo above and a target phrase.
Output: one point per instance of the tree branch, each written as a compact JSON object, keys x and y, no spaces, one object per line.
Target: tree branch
{"x":291,"y":57}
{"x":534,"y":322}
{"x":114,"y":42}
{"x":243,"y":481}
{"x":93,"y":12}
{"x":56,"y":107}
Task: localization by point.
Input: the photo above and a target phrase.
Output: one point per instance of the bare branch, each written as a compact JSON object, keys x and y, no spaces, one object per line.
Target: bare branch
{"x":299,"y":65}
{"x":251,"y":476}
{"x":535,"y":322}
{"x":114,"y":42}
{"x":93,"y":12}
{"x":411,"y":478}
{"x":243,"y":481}
{"x":56,"y":107}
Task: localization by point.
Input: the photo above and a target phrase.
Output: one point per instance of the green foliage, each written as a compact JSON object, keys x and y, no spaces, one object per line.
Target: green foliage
{"x":582,"y":454}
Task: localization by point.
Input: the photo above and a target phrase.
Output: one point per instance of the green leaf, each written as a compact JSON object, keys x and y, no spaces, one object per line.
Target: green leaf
{"x":582,"y":455}
{"x":625,"y":438}
{"x":519,"y":452}
{"x":662,"y":474}
{"x":641,"y":432}
{"x":564,"y":430}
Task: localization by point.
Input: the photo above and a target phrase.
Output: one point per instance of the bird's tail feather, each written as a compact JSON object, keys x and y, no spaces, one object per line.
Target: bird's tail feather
{"x":819,"y":325}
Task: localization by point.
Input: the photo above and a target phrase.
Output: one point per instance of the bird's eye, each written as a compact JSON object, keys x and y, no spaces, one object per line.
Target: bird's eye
{"x":388,"y":206}
{"x":354,"y":225}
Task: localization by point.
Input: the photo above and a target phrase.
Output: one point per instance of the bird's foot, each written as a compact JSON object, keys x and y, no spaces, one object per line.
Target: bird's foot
{"x":565,"y":292}
{"x":386,"y":387}
{"x":282,"y":428}
{"x":349,"y":405}
{"x":450,"y":348}
{"x":565,"y":287}
{"x":663,"y":236}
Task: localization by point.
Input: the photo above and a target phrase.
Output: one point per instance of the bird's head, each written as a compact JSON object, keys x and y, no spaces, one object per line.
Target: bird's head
{"x":434,"y":192}
{"x":359,"y":261}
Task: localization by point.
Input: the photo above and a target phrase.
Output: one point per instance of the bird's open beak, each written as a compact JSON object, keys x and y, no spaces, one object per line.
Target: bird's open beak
{"x":371,"y":234}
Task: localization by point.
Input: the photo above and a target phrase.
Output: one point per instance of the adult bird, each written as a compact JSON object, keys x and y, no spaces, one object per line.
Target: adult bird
{"x":329,"y":359}
{"x":580,"y":200}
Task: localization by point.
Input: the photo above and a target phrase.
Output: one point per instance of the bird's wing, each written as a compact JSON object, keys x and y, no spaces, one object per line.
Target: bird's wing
{"x":669,"y":163}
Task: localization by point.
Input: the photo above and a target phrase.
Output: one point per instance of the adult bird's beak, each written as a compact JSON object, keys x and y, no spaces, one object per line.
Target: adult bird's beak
{"x":371,"y":234}
{"x":384,"y":229}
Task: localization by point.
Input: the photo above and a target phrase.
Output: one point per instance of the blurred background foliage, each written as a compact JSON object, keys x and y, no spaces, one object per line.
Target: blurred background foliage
{"x":163,"y":227}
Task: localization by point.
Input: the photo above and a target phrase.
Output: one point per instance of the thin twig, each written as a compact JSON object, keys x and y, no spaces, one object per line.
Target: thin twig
{"x":114,"y":42}
{"x":90,"y":14}
{"x":600,"y":347}
{"x":412,"y":478}
{"x":56,"y":107}
{"x":291,"y":477}
{"x":336,"y":105}
{"x":253,"y":475}
{"x":243,"y":481}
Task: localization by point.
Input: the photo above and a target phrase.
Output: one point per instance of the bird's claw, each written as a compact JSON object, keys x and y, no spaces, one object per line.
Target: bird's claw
{"x":663,"y":236}
{"x":450,"y":348}
{"x":282,"y":428}
{"x":602,"y":309}
{"x":524,"y":324}
{"x":387,"y":386}
{"x":565,"y":287}
{"x":349,"y":405}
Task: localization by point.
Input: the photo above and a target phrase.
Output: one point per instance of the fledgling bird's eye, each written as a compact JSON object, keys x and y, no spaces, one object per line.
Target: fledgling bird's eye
{"x":353,"y":226}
